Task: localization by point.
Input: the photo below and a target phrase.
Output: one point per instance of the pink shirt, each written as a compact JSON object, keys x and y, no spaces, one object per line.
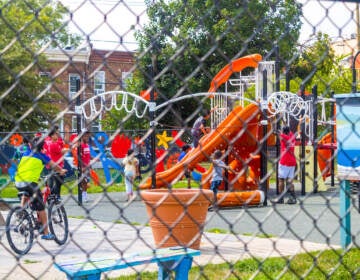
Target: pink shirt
{"x":287,"y":147}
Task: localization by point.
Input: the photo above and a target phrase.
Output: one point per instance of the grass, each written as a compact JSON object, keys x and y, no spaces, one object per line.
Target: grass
{"x":328,"y":264}
{"x":71,"y":187}
{"x":27,"y":261}
{"x":217,"y":230}
{"x":259,"y":235}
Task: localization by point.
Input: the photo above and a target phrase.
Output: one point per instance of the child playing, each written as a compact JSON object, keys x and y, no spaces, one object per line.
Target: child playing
{"x":130,"y":163}
{"x":217,"y":174}
{"x":85,"y":164}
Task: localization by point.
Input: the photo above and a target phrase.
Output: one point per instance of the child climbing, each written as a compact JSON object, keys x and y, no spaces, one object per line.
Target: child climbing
{"x":217,"y":174}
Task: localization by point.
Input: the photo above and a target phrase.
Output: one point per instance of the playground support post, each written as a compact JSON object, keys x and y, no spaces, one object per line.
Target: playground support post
{"x":277,"y":121}
{"x":78,"y":128}
{"x":302,"y":155}
{"x":354,"y":87}
{"x":264,"y":122}
{"x":345,"y":217}
{"x":332,"y":118}
{"x":152,"y":122}
{"x":315,"y":140}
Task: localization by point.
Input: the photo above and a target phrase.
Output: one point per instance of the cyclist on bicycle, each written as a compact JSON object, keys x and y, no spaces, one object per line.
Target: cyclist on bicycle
{"x":27,"y":177}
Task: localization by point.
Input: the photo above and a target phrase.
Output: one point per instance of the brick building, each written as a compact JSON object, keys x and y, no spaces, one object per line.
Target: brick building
{"x":93,"y":71}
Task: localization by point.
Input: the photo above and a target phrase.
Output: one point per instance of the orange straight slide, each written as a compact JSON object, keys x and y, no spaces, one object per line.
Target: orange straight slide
{"x":228,"y":130}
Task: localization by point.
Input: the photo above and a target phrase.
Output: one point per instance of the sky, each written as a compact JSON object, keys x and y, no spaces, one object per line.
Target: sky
{"x":336,"y":18}
{"x":122,"y":17}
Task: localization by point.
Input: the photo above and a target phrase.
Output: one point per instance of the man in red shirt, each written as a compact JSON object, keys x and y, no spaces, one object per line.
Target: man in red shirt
{"x":55,"y":149}
{"x":287,"y":166}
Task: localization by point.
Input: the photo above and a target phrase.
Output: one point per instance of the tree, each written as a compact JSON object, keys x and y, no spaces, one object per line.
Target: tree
{"x":318,"y":65}
{"x":26,"y":29}
{"x":188,"y":42}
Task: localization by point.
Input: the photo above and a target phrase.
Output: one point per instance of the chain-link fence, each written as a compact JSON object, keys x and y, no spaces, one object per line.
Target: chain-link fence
{"x":179,"y":139}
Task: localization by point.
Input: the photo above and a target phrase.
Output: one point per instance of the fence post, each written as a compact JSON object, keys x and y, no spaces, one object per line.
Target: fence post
{"x":78,"y":128}
{"x":264,"y":149}
{"x":345,"y":228}
{"x":315,"y":139}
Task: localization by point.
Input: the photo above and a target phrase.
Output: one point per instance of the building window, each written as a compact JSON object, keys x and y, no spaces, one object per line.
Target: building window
{"x":125,"y":76}
{"x":74,"y":79}
{"x":96,"y":124}
{"x":99,"y":82}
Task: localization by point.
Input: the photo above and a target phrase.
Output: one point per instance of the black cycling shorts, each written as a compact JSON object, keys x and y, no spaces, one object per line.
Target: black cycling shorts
{"x":36,"y":199}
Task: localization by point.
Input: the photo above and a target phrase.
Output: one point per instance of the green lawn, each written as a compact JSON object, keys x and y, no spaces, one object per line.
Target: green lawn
{"x":71,"y":187}
{"x":329,"y":264}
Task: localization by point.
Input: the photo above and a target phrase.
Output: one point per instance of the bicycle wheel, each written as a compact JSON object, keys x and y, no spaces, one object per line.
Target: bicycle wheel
{"x":58,"y":222}
{"x":19,"y":230}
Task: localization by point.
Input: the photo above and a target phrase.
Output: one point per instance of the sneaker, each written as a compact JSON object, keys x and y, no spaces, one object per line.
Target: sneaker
{"x":291,"y":200}
{"x":277,"y":201}
{"x":48,"y":236}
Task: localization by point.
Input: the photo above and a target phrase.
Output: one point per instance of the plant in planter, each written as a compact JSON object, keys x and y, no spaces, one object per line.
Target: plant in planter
{"x":177,"y":216}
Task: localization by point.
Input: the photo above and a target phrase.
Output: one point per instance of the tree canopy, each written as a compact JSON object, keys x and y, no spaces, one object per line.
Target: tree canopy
{"x":27,"y":28}
{"x":318,"y":65}
{"x":188,"y":42}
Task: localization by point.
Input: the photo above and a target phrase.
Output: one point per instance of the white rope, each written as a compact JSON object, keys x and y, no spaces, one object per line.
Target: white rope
{"x":285,"y":102}
{"x":130,"y":106}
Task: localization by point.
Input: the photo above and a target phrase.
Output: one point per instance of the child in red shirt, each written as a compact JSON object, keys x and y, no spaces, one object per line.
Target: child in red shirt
{"x":287,"y":166}
{"x":85,"y":164}
{"x":55,"y":149}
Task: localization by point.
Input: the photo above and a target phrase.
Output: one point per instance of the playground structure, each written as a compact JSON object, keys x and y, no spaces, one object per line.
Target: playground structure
{"x":244,"y":184}
{"x":236,"y":130}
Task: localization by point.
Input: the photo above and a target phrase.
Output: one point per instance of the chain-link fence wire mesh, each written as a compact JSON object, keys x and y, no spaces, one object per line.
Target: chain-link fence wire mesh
{"x":187,"y":100}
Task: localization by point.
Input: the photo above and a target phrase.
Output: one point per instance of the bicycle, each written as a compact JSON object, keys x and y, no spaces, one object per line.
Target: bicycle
{"x":21,"y":223}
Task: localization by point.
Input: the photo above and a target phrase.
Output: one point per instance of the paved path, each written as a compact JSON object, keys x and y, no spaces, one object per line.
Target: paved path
{"x":108,"y":226}
{"x":103,"y":240}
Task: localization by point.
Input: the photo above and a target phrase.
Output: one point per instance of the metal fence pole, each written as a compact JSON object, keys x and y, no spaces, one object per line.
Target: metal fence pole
{"x":78,"y":128}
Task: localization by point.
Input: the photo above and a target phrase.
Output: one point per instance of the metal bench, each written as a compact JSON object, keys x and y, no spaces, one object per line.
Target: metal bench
{"x":177,"y":259}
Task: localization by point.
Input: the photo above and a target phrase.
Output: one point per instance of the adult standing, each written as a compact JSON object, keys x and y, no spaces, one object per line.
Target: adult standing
{"x":287,"y":166}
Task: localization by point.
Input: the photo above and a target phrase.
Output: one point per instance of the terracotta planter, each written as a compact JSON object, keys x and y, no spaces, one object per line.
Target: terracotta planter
{"x":177,"y":217}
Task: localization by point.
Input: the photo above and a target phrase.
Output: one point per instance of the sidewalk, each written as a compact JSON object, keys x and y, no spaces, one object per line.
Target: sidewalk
{"x":97,"y":239}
